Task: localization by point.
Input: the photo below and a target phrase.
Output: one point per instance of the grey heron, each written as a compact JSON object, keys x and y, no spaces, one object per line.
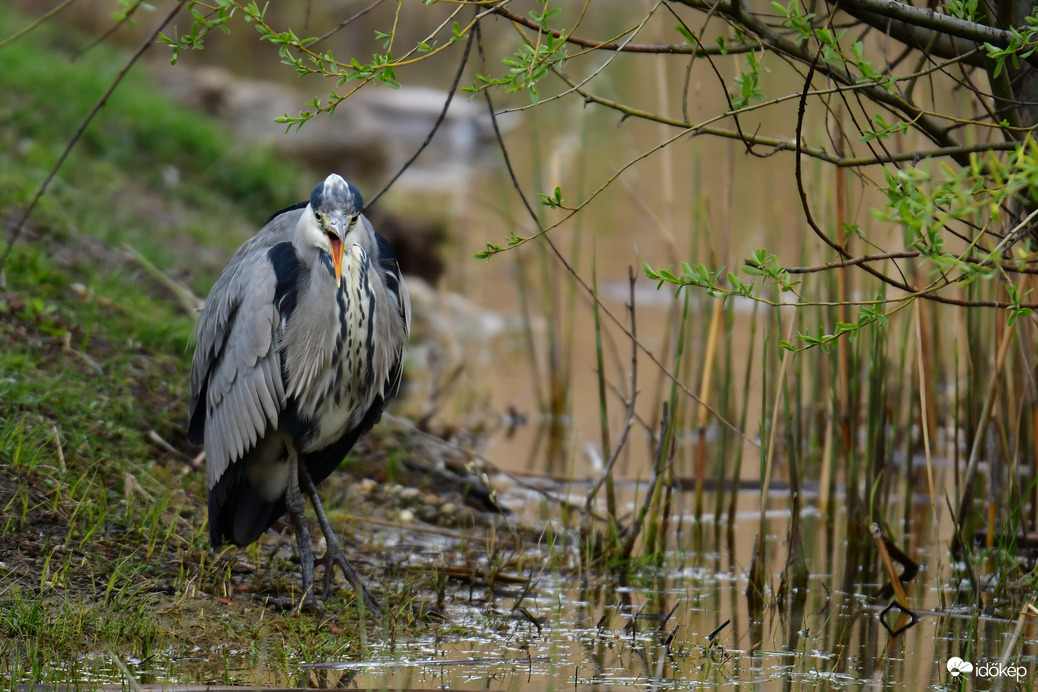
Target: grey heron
{"x":298,"y":350}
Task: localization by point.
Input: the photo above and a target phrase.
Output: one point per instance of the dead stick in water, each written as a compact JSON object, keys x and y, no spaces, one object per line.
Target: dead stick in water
{"x":630,"y":533}
{"x":1007,"y":650}
{"x":895,"y":579}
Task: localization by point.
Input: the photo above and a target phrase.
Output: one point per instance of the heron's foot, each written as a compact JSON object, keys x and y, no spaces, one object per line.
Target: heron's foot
{"x":334,"y":556}
{"x":297,"y":606}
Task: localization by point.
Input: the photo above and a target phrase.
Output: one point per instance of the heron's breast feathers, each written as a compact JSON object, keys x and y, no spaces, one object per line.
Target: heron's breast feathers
{"x":333,"y":351}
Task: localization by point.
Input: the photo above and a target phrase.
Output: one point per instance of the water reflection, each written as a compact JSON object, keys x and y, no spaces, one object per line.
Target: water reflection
{"x":688,"y":625}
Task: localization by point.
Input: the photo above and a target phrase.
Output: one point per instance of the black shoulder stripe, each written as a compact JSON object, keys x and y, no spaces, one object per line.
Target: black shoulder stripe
{"x":291,"y":207}
{"x":287,"y":268}
{"x":386,"y":256}
{"x":390,"y":268}
{"x":392,"y":283}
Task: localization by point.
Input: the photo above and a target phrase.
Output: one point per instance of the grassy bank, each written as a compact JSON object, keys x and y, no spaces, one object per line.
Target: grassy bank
{"x":103,"y":552}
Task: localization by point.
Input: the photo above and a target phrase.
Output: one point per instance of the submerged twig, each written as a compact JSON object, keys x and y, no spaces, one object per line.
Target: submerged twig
{"x":911,"y":567}
{"x":632,"y":532}
{"x":1007,"y":650}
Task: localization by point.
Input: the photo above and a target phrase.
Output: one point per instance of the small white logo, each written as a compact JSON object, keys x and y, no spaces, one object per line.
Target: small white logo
{"x":956,"y":666}
{"x":985,"y":669}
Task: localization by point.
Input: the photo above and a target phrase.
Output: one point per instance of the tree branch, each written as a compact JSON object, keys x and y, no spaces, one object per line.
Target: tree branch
{"x":929,"y":125}
{"x":653,"y":48}
{"x":956,"y":151}
{"x":941,"y":23}
{"x":920,"y":38}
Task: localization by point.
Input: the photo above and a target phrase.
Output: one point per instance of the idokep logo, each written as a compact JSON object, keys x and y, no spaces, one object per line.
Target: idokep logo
{"x":956,"y":666}
{"x":989,"y":669}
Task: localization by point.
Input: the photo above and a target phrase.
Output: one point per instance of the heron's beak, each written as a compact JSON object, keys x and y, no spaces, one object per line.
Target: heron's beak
{"x":336,"y":230}
{"x":337,"y":247}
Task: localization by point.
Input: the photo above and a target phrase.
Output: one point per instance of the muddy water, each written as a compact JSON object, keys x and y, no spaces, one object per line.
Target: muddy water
{"x":687,"y":625}
{"x":684,"y":624}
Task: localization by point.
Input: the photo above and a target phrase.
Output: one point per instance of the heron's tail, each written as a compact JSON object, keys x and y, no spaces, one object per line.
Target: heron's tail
{"x":242,"y":516}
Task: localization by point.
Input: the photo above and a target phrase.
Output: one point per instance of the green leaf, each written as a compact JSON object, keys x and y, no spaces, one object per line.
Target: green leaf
{"x":687,"y":33}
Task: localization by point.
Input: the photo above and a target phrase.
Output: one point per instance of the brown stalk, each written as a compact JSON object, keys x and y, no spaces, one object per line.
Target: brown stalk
{"x":843,"y":290}
{"x":1007,"y":650}
{"x":705,"y":383}
{"x":895,"y":579}
{"x":966,"y":494}
{"x":1034,"y":442}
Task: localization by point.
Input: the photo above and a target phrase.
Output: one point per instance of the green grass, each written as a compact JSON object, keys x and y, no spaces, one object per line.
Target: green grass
{"x":115,"y":184}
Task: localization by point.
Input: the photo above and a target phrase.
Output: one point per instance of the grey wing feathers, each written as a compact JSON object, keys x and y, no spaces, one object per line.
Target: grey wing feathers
{"x":236,"y":385}
{"x":396,"y":372}
{"x":396,"y":290}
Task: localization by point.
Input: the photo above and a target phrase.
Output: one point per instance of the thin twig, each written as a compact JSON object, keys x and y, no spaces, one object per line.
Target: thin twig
{"x":655,"y":48}
{"x":39,"y":22}
{"x":632,"y":397}
{"x":634,"y":530}
{"x":435,"y":127}
{"x":145,"y":45}
{"x":500,"y":140}
{"x":127,"y":15}
{"x":839,"y":264}
{"x":348,"y":21}
{"x":186,"y":298}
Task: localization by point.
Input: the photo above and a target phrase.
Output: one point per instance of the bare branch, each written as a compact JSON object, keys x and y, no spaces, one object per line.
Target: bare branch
{"x":941,"y":23}
{"x":652,"y":48}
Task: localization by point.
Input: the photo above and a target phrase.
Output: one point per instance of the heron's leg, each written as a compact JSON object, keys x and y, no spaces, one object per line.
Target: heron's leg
{"x":334,"y":555}
{"x":296,"y":506}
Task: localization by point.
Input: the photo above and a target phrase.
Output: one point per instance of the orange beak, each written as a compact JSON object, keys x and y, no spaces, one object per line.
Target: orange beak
{"x":337,"y":248}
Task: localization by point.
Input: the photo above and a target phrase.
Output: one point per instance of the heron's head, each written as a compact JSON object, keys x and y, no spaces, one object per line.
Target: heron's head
{"x":335,"y":205}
